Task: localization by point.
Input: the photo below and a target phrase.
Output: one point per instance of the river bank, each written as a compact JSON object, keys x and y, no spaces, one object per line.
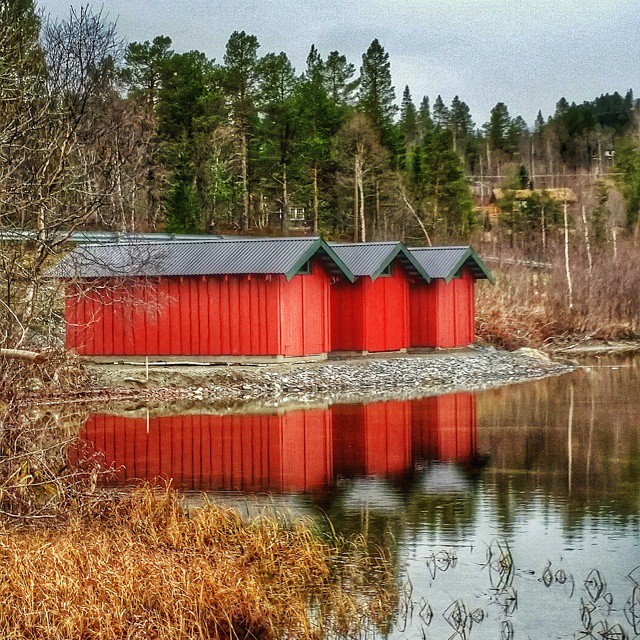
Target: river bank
{"x":353,"y":379}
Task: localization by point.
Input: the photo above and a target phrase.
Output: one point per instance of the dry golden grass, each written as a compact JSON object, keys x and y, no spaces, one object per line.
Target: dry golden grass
{"x":140,"y":567}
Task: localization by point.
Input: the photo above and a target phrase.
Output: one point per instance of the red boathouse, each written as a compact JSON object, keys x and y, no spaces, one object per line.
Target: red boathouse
{"x":372,"y":314}
{"x":442,"y":313}
{"x":216,"y":297}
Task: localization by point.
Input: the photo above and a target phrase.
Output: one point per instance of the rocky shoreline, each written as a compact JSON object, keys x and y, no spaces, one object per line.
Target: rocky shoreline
{"x":236,"y":387}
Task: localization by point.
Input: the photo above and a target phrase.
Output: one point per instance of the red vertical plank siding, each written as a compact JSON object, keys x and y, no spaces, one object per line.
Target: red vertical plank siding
{"x":152,"y":340}
{"x":211,"y":315}
{"x":139,"y":294}
{"x":107,"y":314}
{"x":444,"y":427}
{"x":442,"y":314}
{"x":214,"y":314}
{"x":371,"y":315}
{"x":347,"y":317}
{"x":224,"y":306}
{"x":388,"y":438}
{"x":203,"y":315}
{"x":164,"y":321}
{"x":71,"y":305}
{"x":175,"y":325}
{"x":307,"y":456}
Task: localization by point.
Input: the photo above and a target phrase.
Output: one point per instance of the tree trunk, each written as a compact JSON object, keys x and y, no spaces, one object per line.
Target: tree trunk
{"x":586,"y":241}
{"x":22,"y":354}
{"x":378,"y":206}
{"x":356,"y":208}
{"x":360,"y":182}
{"x":566,"y":255}
{"x":316,"y":200}
{"x":285,"y":203}
{"x":244,"y":222}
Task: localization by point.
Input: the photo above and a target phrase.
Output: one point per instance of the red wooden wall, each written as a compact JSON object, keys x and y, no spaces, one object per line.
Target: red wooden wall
{"x":442,"y":314}
{"x":371,"y":315}
{"x":251,"y":315}
{"x":444,"y":427}
{"x":244,"y":452}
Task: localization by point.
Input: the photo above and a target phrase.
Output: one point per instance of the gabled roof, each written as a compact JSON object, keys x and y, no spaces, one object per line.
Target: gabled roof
{"x":444,"y":262}
{"x":209,"y":256}
{"x":372,"y":258}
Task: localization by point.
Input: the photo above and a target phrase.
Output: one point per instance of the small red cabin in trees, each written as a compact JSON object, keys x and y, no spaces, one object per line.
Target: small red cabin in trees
{"x":372,"y":314}
{"x":206,"y":298}
{"x":442,"y":313}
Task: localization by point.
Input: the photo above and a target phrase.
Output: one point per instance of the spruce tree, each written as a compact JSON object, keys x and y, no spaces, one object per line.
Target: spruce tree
{"x":338,"y":79}
{"x":279,"y":125}
{"x":241,"y":84}
{"x":461,"y":125}
{"x":425,"y":123}
{"x":408,"y":120}
{"x":377,"y":95}
{"x":440,"y":114}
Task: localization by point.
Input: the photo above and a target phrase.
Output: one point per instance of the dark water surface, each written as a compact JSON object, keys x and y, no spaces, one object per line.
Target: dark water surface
{"x":511,"y":513}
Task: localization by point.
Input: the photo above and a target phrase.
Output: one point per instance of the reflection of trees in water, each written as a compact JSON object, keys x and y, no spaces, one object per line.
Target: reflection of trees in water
{"x":573,"y":439}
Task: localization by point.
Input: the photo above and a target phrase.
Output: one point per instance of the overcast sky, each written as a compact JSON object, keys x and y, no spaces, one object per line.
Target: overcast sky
{"x":527,"y":53}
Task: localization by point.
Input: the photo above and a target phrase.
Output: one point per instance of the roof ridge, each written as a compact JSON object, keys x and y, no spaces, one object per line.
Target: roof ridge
{"x":211,"y":240}
{"x":364,"y":244}
{"x":441,"y":248}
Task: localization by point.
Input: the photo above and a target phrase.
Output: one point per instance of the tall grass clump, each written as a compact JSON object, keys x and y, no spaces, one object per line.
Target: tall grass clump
{"x":139,"y":566}
{"x":532,"y":306}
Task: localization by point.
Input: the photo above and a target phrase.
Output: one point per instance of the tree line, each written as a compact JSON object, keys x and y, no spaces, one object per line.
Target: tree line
{"x":140,"y":137}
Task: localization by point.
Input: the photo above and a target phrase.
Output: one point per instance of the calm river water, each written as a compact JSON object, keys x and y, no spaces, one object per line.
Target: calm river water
{"x":510,"y":513}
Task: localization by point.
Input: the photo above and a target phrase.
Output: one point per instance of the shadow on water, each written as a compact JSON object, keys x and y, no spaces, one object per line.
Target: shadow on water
{"x":511,"y":513}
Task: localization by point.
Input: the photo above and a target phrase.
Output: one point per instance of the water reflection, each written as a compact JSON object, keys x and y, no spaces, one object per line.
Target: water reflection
{"x":300,"y":451}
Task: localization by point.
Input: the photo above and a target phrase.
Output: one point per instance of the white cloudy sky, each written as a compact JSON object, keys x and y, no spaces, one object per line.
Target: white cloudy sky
{"x":527,"y":53}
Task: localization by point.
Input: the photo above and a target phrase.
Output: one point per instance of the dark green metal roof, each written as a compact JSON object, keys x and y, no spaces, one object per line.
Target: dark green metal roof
{"x":212,"y":256}
{"x":444,"y":262}
{"x":372,"y":258}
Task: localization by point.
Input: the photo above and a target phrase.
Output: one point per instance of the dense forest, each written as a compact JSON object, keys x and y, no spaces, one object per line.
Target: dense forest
{"x":99,"y":134}
{"x":139,"y":137}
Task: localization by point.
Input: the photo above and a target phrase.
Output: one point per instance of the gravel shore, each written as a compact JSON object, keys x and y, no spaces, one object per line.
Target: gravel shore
{"x":354,"y":379}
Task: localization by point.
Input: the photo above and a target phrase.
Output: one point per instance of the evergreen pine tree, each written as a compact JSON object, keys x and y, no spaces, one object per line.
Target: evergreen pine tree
{"x":425,"y":123}
{"x":182,"y":213}
{"x":338,"y":78}
{"x":440,"y":114}
{"x":377,"y":95}
{"x":279,"y":125}
{"x":241,"y":84}
{"x":408,"y":120}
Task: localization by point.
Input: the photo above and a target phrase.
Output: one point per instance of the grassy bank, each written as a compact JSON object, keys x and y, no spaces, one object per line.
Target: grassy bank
{"x":140,"y":567}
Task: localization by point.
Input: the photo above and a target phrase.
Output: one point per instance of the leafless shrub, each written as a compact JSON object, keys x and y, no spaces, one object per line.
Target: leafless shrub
{"x":530,"y":305}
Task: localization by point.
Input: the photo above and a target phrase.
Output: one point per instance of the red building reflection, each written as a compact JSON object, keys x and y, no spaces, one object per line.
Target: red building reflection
{"x":298,"y":451}
{"x":444,"y":428}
